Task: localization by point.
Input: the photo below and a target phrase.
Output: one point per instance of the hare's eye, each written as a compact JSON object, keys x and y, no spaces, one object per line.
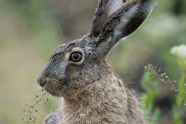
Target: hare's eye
{"x":76,"y":57}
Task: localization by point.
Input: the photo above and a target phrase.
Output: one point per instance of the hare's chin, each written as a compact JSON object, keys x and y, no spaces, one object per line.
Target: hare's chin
{"x":52,"y":90}
{"x":53,"y":93}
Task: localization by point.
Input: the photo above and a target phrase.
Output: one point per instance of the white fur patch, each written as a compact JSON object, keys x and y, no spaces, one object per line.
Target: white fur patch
{"x":124,"y":38}
{"x":145,"y":7}
{"x":149,"y":5}
{"x":88,"y":49}
{"x":114,"y":5}
{"x":124,"y":19}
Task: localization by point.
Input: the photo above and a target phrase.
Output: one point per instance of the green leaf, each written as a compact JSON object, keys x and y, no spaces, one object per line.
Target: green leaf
{"x":174,"y":112}
{"x":156,"y":115}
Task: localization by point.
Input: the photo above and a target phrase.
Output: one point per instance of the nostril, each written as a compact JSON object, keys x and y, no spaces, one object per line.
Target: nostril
{"x":41,"y":80}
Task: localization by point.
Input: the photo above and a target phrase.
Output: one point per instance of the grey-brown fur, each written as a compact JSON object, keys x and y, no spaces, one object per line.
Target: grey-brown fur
{"x":91,"y":92}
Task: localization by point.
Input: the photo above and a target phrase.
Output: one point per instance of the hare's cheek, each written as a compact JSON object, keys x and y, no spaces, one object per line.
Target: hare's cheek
{"x":58,"y":89}
{"x":50,"y":88}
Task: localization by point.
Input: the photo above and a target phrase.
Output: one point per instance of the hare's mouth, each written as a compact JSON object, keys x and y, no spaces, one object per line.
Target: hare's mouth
{"x":54,"y":88}
{"x":42,"y":84}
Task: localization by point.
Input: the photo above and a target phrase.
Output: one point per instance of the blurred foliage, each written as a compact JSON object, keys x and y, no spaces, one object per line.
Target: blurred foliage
{"x":179,"y":107}
{"x":31,"y":30}
{"x":151,"y":93}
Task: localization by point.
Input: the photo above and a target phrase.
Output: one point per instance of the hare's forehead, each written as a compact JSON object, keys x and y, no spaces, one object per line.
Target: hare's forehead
{"x":65,"y":48}
{"x":61,"y":49}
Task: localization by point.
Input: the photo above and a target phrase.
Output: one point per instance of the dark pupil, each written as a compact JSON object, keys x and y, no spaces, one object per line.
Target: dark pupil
{"x":75,"y":55}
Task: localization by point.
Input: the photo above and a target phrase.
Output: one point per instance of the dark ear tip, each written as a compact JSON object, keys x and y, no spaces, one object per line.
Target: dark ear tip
{"x":124,"y":1}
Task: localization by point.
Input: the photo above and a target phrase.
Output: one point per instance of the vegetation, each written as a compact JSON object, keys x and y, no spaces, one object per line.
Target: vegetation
{"x":152,"y":89}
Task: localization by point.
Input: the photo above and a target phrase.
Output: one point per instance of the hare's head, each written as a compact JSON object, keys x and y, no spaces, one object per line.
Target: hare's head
{"x":82,"y":62}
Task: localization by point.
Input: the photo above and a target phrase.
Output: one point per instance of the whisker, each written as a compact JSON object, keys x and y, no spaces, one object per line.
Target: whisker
{"x":40,"y":59}
{"x":60,"y":29}
{"x":35,"y":65}
{"x":77,"y":33}
{"x":47,"y":39}
{"x":53,"y":32}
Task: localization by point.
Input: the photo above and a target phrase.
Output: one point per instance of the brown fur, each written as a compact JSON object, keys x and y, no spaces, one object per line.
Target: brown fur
{"x":91,"y":93}
{"x":105,"y":101}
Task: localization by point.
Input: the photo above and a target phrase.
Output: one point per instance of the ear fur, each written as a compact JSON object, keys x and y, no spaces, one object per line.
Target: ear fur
{"x":123,"y":22}
{"x":105,"y":8}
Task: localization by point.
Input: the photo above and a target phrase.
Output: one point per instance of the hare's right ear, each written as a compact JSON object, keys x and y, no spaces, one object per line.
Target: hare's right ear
{"x":103,"y":11}
{"x":115,"y":19}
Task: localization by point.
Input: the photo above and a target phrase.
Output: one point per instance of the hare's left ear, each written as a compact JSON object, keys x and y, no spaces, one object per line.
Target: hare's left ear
{"x":115,"y":19}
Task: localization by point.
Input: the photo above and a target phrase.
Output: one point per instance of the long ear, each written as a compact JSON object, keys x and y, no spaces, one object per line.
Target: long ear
{"x":122,"y":23}
{"x":104,"y":9}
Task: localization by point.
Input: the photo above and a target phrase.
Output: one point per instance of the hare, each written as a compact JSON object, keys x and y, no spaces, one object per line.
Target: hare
{"x":79,"y":73}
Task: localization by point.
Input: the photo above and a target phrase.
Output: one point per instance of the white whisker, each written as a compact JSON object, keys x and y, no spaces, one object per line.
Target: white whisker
{"x":53,"y":32}
{"x":60,"y":29}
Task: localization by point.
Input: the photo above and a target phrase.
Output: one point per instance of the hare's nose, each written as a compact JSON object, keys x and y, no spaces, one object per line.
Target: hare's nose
{"x":41,"y":80}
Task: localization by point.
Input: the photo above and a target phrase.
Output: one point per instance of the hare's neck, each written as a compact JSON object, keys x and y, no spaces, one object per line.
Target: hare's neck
{"x":105,"y":100}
